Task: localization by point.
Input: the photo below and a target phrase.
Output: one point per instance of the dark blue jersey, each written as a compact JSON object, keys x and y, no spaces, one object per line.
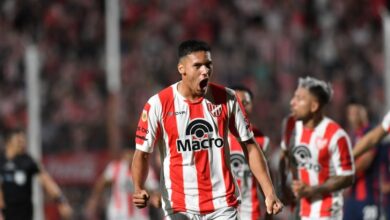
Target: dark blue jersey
{"x":363,"y":198}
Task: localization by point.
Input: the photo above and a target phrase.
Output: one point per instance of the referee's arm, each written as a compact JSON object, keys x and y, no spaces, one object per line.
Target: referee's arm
{"x":54,"y":192}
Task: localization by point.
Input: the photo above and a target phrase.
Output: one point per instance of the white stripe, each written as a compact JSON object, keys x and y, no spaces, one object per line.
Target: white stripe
{"x":166,"y":179}
{"x":190,"y":178}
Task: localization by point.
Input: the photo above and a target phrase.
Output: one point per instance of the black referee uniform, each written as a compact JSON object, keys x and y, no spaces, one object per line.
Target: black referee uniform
{"x":16,"y":177}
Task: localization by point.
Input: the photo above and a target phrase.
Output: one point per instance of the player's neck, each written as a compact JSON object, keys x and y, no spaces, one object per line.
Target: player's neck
{"x":313,"y":121}
{"x":187,"y":93}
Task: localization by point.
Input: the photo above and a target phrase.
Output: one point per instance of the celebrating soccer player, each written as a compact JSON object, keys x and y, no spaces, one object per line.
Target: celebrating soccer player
{"x":189,"y":121}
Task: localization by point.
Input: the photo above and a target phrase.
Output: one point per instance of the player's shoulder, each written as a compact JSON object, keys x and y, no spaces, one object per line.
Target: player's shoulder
{"x":289,"y":123}
{"x":25,"y":159}
{"x":165,"y":94}
{"x":332,"y":128}
{"x":331,"y":124}
{"x":221,"y":90}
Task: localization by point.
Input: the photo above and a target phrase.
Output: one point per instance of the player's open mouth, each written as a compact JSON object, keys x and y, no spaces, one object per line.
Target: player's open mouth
{"x":203,"y":83}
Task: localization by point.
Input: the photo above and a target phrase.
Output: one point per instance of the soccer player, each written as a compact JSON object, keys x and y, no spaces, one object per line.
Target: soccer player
{"x":250,"y":195}
{"x":17,"y":169}
{"x":362,"y":199}
{"x":373,"y":137}
{"x":190,"y":119}
{"x":117,"y":176}
{"x":319,"y":151}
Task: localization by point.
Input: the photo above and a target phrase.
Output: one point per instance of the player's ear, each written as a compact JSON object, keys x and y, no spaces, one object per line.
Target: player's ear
{"x":180,"y":68}
{"x":315,"y":105}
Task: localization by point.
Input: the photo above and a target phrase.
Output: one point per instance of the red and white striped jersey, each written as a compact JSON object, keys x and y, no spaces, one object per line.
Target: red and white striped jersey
{"x":196,"y":176}
{"x":120,"y":206}
{"x":250,"y":204}
{"x":386,"y":122}
{"x":318,"y":154}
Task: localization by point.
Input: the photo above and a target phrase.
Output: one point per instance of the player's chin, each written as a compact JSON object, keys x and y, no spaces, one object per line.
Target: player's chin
{"x":202,"y":91}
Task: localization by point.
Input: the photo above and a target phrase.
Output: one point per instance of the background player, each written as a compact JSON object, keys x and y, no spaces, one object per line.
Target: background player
{"x":117,"y":176}
{"x":319,"y":150}
{"x":362,"y":199}
{"x":250,"y":194}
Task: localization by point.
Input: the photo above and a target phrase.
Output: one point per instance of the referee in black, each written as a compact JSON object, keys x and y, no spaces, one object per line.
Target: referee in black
{"x":17,"y":169}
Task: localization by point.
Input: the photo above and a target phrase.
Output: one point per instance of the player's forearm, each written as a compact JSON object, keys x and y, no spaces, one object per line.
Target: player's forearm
{"x":139,"y":169}
{"x":49,"y":185}
{"x":259,"y":168}
{"x":99,"y":188}
{"x":364,"y":161}
{"x":369,"y":141}
{"x":333,"y":184}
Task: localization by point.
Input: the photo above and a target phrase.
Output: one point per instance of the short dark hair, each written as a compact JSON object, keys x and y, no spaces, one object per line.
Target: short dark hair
{"x":320,"y":89}
{"x":244,"y":89}
{"x":190,"y":46}
{"x":8,"y":132}
{"x":353,"y":100}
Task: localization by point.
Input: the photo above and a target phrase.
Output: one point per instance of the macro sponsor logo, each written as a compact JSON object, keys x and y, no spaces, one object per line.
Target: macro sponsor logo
{"x":301,"y":158}
{"x":199,"y":136}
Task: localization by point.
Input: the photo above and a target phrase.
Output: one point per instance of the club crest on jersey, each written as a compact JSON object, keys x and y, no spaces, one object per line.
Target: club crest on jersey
{"x":199,"y":136}
{"x":215,"y":110}
{"x":321,"y":143}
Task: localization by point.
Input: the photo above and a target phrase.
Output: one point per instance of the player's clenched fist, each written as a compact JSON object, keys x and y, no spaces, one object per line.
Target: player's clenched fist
{"x":140,"y":198}
{"x":273,"y":204}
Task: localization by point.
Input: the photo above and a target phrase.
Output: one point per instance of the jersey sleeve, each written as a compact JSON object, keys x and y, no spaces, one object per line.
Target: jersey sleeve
{"x":148,"y":128}
{"x":386,"y":122}
{"x":239,"y":124}
{"x":341,"y":154}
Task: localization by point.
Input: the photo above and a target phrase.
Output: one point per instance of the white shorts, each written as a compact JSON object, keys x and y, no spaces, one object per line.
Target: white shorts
{"x":228,"y":213}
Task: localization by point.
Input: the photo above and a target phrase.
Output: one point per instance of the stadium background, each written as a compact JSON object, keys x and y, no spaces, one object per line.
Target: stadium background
{"x":264,"y":44}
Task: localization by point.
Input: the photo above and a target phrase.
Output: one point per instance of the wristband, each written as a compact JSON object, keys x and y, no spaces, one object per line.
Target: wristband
{"x":60,"y":199}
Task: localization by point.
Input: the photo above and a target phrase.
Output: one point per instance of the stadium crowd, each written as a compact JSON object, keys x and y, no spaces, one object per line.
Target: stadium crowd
{"x":265,"y":45}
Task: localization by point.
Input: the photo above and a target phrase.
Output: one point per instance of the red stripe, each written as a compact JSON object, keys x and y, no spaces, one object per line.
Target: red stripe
{"x":176,"y":159}
{"x":234,"y":144}
{"x":345,"y":156}
{"x":361,"y":193}
{"x":219,"y":95}
{"x":326,"y":206}
{"x":323,"y":160}
{"x":255,"y":200}
{"x":142,"y":125}
{"x":202,"y":167}
{"x":117,"y":196}
{"x":305,"y":203}
{"x":289,"y":127}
